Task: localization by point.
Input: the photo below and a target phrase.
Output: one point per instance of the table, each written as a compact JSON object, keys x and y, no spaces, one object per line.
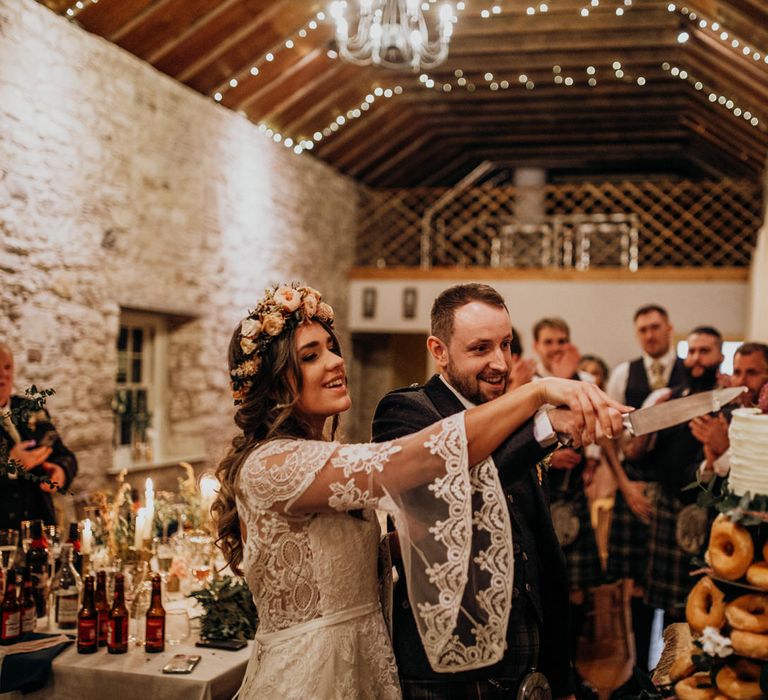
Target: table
{"x":137,"y":674}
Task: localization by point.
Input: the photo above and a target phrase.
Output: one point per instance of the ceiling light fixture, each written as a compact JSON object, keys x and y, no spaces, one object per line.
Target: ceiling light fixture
{"x":393,"y":34}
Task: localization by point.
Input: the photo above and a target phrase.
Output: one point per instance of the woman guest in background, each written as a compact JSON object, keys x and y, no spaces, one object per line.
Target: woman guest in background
{"x":295,"y":511}
{"x":596,"y":366}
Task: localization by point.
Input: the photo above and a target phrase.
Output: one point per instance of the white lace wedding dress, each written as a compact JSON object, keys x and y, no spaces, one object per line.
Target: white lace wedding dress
{"x":312,"y":566}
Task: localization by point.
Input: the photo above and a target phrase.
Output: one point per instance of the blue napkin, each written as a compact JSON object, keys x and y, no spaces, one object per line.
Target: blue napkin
{"x":29,"y":671}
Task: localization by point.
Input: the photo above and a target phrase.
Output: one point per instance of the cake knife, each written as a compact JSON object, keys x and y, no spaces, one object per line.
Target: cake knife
{"x":669,"y":413}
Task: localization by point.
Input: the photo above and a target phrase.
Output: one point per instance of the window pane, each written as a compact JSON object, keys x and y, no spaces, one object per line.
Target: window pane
{"x":122,"y":367}
{"x":136,"y":369}
{"x":138,"y":339}
{"x":122,"y":338}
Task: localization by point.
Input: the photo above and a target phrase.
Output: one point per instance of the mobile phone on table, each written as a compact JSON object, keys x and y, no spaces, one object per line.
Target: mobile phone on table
{"x":182,"y":663}
{"x":228,"y":644}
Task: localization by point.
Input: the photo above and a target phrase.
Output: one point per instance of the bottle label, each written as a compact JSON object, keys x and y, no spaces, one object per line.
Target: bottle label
{"x":155,"y":631}
{"x":66,"y":607}
{"x":103,"y":628}
{"x":86,"y":632}
{"x":29,"y":620}
{"x":117,"y":632}
{"x":11,"y":625}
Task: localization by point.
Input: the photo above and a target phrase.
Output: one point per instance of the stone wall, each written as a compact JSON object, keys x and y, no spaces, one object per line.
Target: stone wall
{"x":120,"y":188}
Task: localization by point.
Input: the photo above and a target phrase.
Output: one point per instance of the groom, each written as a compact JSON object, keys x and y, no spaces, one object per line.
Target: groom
{"x":471,"y":335}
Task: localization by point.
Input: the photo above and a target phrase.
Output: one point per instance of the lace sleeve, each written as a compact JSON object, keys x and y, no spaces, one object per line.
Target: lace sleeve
{"x":425,"y":483}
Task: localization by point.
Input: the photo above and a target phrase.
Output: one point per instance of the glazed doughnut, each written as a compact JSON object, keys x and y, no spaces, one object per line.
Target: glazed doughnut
{"x":705,"y":606}
{"x":748,"y":613}
{"x":696,"y":687}
{"x":755,"y":646}
{"x":730,"y":549}
{"x":765,"y":550}
{"x":740,"y":681}
{"x":757,"y":574}
{"x":681,"y":667}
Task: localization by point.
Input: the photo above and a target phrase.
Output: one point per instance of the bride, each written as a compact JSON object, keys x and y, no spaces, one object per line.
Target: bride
{"x":295,"y":512}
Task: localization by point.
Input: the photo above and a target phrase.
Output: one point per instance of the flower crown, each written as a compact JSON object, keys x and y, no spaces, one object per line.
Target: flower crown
{"x":282,"y":308}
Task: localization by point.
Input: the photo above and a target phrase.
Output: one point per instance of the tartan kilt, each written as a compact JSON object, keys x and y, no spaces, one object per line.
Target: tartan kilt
{"x":582,"y":558}
{"x":668,"y":580}
{"x":627,"y":543}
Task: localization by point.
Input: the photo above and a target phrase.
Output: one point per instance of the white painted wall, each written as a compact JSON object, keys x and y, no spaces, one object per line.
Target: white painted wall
{"x":599,"y":312}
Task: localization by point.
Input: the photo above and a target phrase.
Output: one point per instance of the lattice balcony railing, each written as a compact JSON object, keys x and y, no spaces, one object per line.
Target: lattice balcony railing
{"x":578,"y":226}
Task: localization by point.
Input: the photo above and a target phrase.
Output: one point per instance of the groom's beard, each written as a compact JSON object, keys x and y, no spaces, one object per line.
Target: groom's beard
{"x":704,"y":382}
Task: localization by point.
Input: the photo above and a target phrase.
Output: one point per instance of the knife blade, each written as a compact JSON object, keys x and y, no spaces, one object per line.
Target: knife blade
{"x":669,"y":413}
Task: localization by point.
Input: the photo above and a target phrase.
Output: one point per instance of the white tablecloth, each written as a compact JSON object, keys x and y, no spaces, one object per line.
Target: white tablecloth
{"x":103,"y":676}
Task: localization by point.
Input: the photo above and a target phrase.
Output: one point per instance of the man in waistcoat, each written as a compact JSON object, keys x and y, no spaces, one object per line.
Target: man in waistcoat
{"x":37,"y":447}
{"x":471,"y":337}
{"x":632,"y":382}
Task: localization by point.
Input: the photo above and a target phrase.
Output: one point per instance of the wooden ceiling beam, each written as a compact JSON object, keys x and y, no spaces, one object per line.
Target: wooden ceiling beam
{"x":234,"y":36}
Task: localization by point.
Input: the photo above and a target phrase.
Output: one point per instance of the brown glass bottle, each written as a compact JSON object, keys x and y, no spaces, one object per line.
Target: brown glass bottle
{"x":155,"y":631}
{"x":117,"y":632}
{"x":10,"y":624}
{"x":37,"y":561}
{"x":74,"y":540}
{"x":102,"y":606}
{"x":88,"y":621}
{"x":27,"y":603}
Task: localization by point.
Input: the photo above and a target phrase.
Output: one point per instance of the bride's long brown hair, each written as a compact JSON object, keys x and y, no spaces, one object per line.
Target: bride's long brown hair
{"x":267,"y":411}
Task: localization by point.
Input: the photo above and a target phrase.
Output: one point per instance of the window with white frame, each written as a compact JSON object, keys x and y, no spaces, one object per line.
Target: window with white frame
{"x":139,"y":388}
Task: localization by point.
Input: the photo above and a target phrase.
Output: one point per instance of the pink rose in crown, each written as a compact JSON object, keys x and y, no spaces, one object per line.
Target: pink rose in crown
{"x":273,"y":324}
{"x":324,"y":311}
{"x":288,"y":298}
{"x":762,"y":402}
{"x":309,"y":305}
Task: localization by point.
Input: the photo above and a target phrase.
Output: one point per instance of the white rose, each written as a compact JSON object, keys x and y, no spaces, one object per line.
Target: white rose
{"x":250,"y":328}
{"x":288,"y":298}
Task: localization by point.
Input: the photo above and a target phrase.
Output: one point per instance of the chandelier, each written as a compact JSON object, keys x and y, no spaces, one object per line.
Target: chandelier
{"x":393,"y":34}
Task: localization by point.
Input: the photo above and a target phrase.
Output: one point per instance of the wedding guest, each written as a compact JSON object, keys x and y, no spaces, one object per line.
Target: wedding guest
{"x":37,"y":448}
{"x":571,"y":470}
{"x":632,"y":382}
{"x":295,"y":511}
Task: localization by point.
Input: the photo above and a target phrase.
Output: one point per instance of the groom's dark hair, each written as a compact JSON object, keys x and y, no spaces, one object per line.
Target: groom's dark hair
{"x":444,"y":307}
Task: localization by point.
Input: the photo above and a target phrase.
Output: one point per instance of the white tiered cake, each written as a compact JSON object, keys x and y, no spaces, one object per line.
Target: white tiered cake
{"x":749,"y":452}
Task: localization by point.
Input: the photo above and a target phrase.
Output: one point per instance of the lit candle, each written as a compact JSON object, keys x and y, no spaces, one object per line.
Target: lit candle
{"x":141,"y":525}
{"x":149,"y":493}
{"x":149,"y":505}
{"x":209,"y":487}
{"x":86,"y":541}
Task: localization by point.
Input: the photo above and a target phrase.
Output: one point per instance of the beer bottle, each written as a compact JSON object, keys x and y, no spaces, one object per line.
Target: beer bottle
{"x":67,"y":590}
{"x":88,"y":621}
{"x":10,"y":629}
{"x":37,"y":561}
{"x":117,"y":632}
{"x":155,"y":631}
{"x":27,"y":603}
{"x":74,"y":540}
{"x":102,"y":606}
